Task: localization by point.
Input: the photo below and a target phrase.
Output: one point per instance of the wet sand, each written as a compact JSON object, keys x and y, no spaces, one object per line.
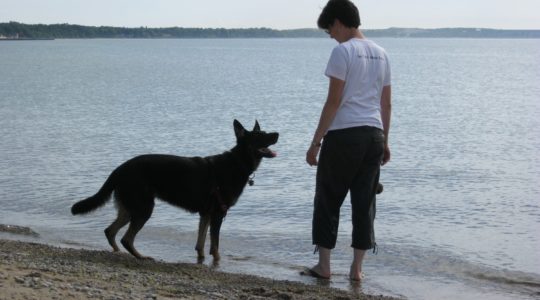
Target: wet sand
{"x":37,"y":271}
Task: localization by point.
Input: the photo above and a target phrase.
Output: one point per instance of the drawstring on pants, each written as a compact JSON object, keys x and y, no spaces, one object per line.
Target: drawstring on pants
{"x":375,"y":249}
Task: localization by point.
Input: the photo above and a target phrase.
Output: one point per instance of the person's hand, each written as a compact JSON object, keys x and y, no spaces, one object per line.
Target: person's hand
{"x":311,"y":155}
{"x":386,"y":155}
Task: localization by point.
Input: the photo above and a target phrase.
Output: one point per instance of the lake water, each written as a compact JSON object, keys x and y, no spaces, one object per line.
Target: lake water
{"x":460,"y":214}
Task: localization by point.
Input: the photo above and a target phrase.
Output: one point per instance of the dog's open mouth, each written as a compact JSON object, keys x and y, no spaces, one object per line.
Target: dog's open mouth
{"x":267,"y":152}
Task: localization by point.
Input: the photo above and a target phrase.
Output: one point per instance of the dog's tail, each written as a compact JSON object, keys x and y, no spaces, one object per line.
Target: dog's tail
{"x":92,"y":203}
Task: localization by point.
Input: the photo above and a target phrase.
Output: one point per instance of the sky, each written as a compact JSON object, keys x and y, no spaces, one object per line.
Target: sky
{"x":276,"y":14}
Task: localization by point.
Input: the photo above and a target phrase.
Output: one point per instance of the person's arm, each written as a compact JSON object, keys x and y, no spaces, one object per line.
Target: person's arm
{"x":386,"y":116}
{"x":333,"y":100}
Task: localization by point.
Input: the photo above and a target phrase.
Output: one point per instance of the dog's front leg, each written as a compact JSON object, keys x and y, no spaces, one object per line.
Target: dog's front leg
{"x":215,"y":225}
{"x":204,"y":221}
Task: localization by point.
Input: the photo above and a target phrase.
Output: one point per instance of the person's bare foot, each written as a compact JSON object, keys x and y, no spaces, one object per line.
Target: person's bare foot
{"x":317,"y":272}
{"x":356,"y":274}
{"x":356,"y":266}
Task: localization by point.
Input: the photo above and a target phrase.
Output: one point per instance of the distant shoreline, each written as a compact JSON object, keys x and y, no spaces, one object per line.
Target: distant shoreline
{"x":26,"y":39}
{"x":20,"y":31}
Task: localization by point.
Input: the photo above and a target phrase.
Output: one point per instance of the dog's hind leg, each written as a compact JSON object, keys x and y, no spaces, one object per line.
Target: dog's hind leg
{"x":121,"y":220}
{"x":204,"y":222}
{"x":135,"y":225}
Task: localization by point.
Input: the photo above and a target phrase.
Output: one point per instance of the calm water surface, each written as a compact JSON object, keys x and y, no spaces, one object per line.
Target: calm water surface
{"x":460,"y":214}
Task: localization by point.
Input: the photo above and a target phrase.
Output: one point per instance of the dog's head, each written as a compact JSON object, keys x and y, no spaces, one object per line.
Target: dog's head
{"x":257,"y":141}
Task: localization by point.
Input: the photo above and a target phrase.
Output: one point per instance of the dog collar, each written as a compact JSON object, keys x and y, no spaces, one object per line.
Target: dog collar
{"x":250,"y":179}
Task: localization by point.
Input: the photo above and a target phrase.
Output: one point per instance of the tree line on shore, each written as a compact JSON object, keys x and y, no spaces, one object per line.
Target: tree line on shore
{"x":69,"y":31}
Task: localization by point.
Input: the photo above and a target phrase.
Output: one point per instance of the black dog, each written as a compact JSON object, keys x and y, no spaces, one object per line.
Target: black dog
{"x":205,"y":185}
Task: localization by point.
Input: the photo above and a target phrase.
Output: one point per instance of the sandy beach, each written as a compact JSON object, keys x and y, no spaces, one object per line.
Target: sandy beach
{"x":37,"y":271}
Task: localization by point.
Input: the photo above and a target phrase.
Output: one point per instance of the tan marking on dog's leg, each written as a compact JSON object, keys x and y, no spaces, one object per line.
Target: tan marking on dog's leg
{"x":110,"y":232}
{"x":215,"y":226}
{"x":214,"y":248}
{"x":204,"y":222}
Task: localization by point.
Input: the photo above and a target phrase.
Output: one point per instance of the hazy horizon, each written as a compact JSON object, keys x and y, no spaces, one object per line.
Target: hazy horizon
{"x":232,"y":28}
{"x":275,"y":14}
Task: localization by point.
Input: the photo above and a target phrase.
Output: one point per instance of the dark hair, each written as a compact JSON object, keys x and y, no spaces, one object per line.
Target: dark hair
{"x":343,"y":10}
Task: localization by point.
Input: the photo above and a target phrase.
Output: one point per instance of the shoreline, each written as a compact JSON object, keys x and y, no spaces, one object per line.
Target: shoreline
{"x":30,"y":270}
{"x":26,"y":39}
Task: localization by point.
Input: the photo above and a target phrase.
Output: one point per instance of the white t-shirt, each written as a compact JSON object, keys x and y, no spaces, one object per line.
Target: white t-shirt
{"x":365,"y":68}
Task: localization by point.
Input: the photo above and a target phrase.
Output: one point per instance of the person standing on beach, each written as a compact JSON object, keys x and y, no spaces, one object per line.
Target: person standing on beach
{"x":354,"y":123}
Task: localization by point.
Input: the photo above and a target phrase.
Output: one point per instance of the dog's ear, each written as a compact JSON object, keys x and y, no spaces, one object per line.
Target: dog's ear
{"x":239,"y":130}
{"x":257,"y":127}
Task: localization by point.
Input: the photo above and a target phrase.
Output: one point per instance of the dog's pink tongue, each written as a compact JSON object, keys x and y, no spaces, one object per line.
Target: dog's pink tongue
{"x":274,"y":153}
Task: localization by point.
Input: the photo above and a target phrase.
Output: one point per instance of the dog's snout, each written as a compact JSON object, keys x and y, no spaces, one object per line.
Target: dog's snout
{"x":275,"y":137}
